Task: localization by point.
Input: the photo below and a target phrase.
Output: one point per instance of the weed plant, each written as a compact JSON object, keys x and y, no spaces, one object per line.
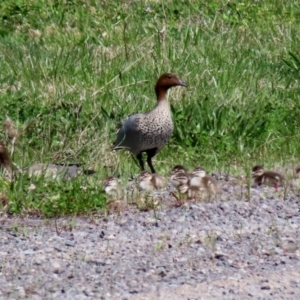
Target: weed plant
{"x":72,"y":70}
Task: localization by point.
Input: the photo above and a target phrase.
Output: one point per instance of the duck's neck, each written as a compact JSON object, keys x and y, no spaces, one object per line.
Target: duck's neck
{"x":161,"y":94}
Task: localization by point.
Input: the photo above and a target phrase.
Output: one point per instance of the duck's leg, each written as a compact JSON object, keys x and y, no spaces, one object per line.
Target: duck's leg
{"x":140,"y":159}
{"x":150,"y":154}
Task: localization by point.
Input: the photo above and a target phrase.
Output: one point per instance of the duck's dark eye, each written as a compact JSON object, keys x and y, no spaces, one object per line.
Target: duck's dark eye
{"x":169,"y":76}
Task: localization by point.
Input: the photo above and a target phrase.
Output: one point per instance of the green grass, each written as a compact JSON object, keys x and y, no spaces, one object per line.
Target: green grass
{"x":72,"y":70}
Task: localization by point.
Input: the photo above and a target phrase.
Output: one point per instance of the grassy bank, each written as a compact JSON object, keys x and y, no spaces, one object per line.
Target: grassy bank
{"x":72,"y":70}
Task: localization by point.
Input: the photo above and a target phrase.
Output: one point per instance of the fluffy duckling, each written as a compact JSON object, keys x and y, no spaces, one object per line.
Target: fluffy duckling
{"x":270,"y":178}
{"x":148,"y":181}
{"x":116,"y":203}
{"x":149,"y":132}
{"x":179,"y":179}
{"x":179,"y":176}
{"x":201,"y":184}
{"x":111,"y":187}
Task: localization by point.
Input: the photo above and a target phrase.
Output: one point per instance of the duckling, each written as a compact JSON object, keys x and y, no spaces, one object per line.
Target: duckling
{"x":179,"y":179}
{"x":148,"y":181}
{"x":178,"y":176}
{"x":111,"y":187}
{"x":149,"y":132}
{"x":116,"y":202}
{"x":271,"y":178}
{"x":201,"y":184}
{"x":158,"y":181}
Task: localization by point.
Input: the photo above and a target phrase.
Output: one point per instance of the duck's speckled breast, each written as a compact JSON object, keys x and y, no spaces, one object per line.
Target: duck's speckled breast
{"x":156,"y":128}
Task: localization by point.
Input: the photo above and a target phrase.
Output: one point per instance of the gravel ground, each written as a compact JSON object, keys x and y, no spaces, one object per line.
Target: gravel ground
{"x":230,"y":248}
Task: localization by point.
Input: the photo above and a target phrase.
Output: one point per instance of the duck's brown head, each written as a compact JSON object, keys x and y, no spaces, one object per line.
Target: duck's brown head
{"x":165,"y":82}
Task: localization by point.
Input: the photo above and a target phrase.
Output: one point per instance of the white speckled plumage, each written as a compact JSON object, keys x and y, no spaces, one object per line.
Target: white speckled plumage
{"x":146,"y":131}
{"x":149,"y":132}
